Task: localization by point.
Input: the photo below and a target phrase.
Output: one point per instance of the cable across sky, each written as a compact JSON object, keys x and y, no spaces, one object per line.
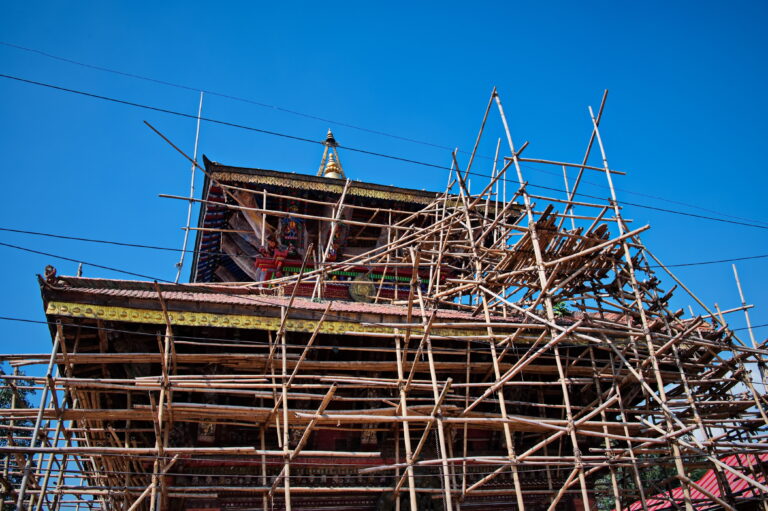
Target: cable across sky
{"x":324,"y":119}
{"x":170,"y":249}
{"x":359,"y":150}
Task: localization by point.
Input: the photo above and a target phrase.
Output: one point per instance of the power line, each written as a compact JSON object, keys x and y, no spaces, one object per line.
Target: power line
{"x":192,"y":286}
{"x":141,"y":275}
{"x":107,"y":242}
{"x":647,"y":195}
{"x":203,"y":252}
{"x":314,"y":117}
{"x":223,"y":95}
{"x":156,"y":279}
{"x":694,"y":215}
{"x":711,"y":262}
{"x":358,"y":150}
{"x":479,"y":346}
{"x":95,"y":265}
{"x":216,"y":121}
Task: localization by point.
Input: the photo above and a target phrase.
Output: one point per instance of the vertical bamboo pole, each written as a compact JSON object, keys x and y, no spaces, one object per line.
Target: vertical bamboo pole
{"x":406,"y":428}
{"x":12,"y":423}
{"x":36,"y":431}
{"x":52,"y":456}
{"x":463,"y":195}
{"x":761,"y":366}
{"x":624,"y":419}
{"x":64,"y":460}
{"x":264,"y":481}
{"x":160,"y":438}
{"x":180,"y":264}
{"x":644,"y":320}
{"x":496,"y":198}
{"x":744,"y":304}
{"x":543,"y":415}
{"x":479,"y":134}
{"x":577,"y":181}
{"x":548,"y":300}
{"x":606,"y":441}
{"x":397,"y":462}
{"x":264,"y":218}
{"x":567,"y":193}
{"x":465,"y":442}
{"x":286,"y":438}
{"x":440,"y":428}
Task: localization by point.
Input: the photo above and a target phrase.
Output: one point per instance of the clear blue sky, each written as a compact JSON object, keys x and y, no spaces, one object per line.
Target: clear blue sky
{"x":686,"y":116}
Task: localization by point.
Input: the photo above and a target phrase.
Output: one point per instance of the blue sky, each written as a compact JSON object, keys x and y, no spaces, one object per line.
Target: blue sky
{"x":685,"y":116}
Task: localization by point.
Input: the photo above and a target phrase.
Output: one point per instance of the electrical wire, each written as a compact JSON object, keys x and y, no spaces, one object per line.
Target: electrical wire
{"x":314,"y":117}
{"x":478,"y":346}
{"x":204,"y":252}
{"x":647,"y":195}
{"x":362,"y":151}
{"x":227,"y":96}
{"x":157,"y":279}
{"x":247,"y":343}
{"x":457,"y":471}
{"x":217,"y":121}
{"x":95,"y":265}
{"x":641,"y":461}
{"x":316,"y":142}
{"x":701,"y":263}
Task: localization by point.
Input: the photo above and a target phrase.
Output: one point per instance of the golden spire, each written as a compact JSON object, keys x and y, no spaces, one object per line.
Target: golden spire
{"x":333,"y":169}
{"x":330,"y":165}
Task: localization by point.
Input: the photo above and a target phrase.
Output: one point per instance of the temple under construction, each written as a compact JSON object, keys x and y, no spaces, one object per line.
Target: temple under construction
{"x":351,"y":346}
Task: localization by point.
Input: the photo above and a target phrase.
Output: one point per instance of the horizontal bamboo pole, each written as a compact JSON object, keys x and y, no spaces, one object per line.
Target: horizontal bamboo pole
{"x":181,"y":451}
{"x":563,"y":164}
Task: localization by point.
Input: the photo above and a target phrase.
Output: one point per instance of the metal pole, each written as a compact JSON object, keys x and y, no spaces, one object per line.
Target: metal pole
{"x":180,"y":264}
{"x":760,"y":366}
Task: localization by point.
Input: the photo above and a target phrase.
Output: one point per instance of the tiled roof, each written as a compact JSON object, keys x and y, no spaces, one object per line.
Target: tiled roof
{"x":301,"y":180}
{"x":214,"y":213}
{"x":231,"y":295}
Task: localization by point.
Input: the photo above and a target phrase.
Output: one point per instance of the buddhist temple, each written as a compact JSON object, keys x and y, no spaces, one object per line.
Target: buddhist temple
{"x":345,"y":345}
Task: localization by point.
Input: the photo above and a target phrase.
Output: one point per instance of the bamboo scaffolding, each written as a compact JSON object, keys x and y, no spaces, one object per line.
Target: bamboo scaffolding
{"x":465,"y":380}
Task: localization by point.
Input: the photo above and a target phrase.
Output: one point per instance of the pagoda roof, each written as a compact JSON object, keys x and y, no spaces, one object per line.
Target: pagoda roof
{"x":299,"y":181}
{"x":227,"y":306}
{"x":212,"y":216}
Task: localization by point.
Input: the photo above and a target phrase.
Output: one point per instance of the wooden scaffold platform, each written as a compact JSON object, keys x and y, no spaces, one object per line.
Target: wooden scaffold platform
{"x":495,"y":351}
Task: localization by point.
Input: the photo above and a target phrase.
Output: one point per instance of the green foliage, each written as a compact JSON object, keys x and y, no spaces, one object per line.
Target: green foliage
{"x":655,"y":478}
{"x":561,"y":309}
{"x":657,"y":474}
{"x":22,"y":392}
{"x":19,"y":389}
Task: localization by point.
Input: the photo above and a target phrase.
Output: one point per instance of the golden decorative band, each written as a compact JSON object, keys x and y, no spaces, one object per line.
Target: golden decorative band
{"x":205,"y":319}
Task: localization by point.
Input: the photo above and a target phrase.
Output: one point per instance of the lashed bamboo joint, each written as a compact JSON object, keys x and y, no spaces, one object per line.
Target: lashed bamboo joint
{"x":357,"y":346}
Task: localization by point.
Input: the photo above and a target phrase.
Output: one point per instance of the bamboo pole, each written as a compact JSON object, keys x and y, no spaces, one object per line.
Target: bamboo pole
{"x":600,"y":391}
{"x":43,"y":397}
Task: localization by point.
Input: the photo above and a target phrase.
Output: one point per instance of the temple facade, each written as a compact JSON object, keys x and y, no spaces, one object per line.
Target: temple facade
{"x":352,"y":346}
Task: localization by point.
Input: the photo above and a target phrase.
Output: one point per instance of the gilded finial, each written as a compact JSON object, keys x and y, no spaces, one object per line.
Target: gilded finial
{"x":333,"y":169}
{"x":330,"y":165}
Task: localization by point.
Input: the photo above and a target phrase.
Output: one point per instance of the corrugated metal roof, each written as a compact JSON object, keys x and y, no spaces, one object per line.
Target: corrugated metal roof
{"x":740,"y":488}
